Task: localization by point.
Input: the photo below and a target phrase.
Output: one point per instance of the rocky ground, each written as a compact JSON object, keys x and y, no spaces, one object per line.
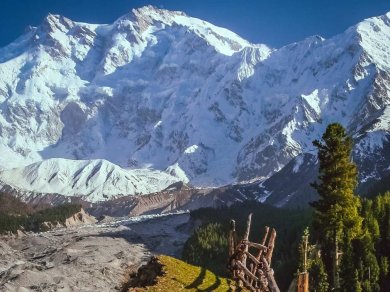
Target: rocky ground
{"x":95,"y":257}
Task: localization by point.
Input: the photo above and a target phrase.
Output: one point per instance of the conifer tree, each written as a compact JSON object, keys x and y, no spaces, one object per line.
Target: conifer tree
{"x":336,"y":213}
{"x":381,"y":210}
{"x":311,"y":262}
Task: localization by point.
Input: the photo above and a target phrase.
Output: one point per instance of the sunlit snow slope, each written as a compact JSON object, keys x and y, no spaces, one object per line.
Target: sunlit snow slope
{"x":96,"y":180}
{"x":159,"y":89}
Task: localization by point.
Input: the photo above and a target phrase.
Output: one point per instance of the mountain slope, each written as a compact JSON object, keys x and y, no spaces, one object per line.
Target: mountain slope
{"x":92,"y":180}
{"x":159,"y":89}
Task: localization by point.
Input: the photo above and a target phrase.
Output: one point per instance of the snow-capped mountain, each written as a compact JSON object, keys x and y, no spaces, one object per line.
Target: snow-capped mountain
{"x":159,"y":89}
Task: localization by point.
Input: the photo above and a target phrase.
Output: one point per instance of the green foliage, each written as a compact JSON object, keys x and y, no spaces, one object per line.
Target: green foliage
{"x":381,"y":212}
{"x":13,"y":206}
{"x":360,"y":228}
{"x":318,"y":278}
{"x":367,"y":256}
{"x":356,"y":285}
{"x":377,"y":187}
{"x":336,"y":212}
{"x":15,"y":215}
{"x":11,"y":223}
{"x":208,"y":246}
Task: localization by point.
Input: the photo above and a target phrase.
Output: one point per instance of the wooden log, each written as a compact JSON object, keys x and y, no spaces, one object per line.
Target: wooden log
{"x":247,"y":284}
{"x":251,"y":266}
{"x":261,"y":250}
{"x":271,"y":245}
{"x":263,"y":241}
{"x":269,"y":273}
{"x":248,"y":227}
{"x":232,"y":244}
{"x":303,"y":282}
{"x":247,"y":272}
{"x":255,"y":245}
{"x":246,"y":235}
{"x":253,"y":258}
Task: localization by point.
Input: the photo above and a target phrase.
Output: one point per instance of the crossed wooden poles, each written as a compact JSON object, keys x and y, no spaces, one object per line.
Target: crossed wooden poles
{"x":252,"y":271}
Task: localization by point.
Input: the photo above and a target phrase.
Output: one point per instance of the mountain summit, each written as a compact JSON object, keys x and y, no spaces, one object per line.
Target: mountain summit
{"x":159,"y":89}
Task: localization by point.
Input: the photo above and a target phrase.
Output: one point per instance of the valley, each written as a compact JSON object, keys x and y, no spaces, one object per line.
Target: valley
{"x":128,"y":148}
{"x":94,"y":257}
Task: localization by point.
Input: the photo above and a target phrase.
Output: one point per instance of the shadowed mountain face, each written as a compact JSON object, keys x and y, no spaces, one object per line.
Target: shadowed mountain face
{"x":159,"y":89}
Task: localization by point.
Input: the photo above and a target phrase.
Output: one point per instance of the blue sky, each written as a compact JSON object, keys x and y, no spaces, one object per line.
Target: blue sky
{"x":273,"y":22}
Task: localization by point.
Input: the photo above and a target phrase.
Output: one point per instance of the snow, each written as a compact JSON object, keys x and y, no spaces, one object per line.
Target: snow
{"x":177,"y":172}
{"x":191,"y":149}
{"x":93,"y":180}
{"x":265,"y":193}
{"x":162,"y":90}
{"x":224,"y":41}
{"x":313,"y":100}
{"x":298,"y":163}
{"x":158,"y":124}
{"x":373,"y":142}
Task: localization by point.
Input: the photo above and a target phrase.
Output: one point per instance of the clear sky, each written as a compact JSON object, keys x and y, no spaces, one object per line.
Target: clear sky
{"x":273,"y":22}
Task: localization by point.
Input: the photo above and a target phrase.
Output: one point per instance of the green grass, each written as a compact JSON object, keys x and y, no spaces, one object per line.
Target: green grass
{"x":181,"y":276}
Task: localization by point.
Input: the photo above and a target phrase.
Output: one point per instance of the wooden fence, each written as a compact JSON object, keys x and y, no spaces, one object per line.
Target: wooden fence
{"x":250,"y":262}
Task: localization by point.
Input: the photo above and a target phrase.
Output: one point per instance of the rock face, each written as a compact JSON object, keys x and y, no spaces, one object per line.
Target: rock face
{"x":162,"y":90}
{"x":167,"y":201}
{"x":80,"y":218}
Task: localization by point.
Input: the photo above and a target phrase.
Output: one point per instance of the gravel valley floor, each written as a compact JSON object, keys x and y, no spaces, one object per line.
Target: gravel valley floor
{"x":95,"y":257}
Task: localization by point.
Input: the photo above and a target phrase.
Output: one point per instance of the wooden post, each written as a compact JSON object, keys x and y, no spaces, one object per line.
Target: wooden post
{"x":305,"y":253}
{"x":271,"y":245}
{"x":232,"y":240}
{"x":261,"y":250}
{"x":303,"y":282}
{"x":263,"y":242}
{"x":246,"y":236}
{"x":252,"y":270}
{"x":303,"y":278}
{"x":248,"y":227}
{"x":273,"y":287}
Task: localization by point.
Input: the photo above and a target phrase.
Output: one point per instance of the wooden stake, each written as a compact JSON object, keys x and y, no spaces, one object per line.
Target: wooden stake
{"x":232,"y":235}
{"x":270,"y":277}
{"x":246,"y":236}
{"x":271,"y":245}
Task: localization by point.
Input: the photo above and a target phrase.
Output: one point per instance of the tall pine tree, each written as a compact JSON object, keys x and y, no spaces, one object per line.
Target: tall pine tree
{"x":336,"y":213}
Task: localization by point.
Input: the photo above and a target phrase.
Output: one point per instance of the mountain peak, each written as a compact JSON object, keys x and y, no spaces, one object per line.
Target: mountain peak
{"x":52,"y":22}
{"x":224,"y":40}
{"x":374,"y":36}
{"x":156,"y":13}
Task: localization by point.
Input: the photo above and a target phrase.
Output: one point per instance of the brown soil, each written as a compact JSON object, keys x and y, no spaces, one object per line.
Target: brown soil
{"x":145,"y":276}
